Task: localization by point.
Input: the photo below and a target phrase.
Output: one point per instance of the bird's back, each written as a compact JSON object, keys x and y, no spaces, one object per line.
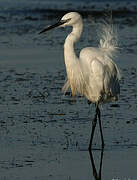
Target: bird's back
{"x":100,"y":74}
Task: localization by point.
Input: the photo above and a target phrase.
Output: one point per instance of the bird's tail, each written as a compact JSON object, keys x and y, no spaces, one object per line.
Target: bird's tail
{"x":108,"y":37}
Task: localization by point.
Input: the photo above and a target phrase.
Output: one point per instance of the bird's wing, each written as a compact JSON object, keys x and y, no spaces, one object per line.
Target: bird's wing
{"x":105,"y":80}
{"x":97,"y":74}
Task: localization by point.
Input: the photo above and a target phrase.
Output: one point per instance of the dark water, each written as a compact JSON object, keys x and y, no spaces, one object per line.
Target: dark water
{"x":44,"y":134}
{"x":22,"y":20}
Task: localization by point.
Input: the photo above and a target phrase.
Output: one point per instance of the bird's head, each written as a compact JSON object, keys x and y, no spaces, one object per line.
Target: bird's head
{"x":69,"y":19}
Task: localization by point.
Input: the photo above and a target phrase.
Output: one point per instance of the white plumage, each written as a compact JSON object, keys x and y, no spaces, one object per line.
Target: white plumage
{"x":92,"y":74}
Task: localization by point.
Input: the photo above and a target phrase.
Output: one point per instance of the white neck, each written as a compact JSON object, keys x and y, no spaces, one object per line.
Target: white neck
{"x":71,"y":61}
{"x":69,"y":53}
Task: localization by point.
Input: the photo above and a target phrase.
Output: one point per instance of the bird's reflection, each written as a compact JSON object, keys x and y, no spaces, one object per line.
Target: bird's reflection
{"x":97,"y":175}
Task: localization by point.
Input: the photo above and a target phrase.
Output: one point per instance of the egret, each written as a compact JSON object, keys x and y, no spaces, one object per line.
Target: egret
{"x":93,"y":74}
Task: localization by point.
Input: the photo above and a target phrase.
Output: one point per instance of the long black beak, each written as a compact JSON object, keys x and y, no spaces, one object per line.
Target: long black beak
{"x":54,"y":25}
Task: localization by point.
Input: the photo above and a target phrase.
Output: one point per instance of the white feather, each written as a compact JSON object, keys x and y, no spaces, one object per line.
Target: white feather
{"x":93,"y":74}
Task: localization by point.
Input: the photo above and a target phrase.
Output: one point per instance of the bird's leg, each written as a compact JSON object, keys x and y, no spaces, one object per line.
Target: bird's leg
{"x":100,"y":126}
{"x":94,"y":122}
{"x":89,"y":102}
{"x":101,"y":161}
{"x":96,"y":175}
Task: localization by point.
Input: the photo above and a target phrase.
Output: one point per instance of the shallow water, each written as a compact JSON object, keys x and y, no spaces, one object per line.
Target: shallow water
{"x":44,"y":134}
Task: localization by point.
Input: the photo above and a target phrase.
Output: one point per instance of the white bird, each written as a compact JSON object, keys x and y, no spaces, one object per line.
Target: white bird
{"x":93,"y":74}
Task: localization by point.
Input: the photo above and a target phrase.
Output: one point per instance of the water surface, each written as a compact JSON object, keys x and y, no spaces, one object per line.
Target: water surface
{"x":44,"y":134}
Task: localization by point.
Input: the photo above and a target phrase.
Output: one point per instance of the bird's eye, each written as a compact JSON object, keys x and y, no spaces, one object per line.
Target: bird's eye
{"x":67,"y":20}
